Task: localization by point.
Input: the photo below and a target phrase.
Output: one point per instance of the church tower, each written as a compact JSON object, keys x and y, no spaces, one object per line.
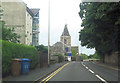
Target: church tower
{"x":66,"y":39}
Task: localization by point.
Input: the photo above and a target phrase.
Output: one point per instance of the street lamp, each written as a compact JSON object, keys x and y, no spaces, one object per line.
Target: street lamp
{"x":49,"y":33}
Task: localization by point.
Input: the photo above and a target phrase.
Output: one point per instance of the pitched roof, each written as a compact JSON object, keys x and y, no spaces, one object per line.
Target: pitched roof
{"x":29,"y":11}
{"x":65,"y":32}
{"x":34,"y":10}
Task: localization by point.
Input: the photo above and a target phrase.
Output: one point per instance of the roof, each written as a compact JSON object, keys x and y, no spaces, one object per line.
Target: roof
{"x":29,"y":11}
{"x":34,"y":10}
{"x":65,"y":32}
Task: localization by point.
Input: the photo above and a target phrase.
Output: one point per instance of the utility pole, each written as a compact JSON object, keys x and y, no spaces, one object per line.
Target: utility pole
{"x":49,"y":33}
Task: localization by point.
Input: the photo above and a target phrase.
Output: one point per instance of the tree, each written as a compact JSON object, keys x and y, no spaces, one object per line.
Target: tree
{"x":9,"y":34}
{"x":74,"y":52}
{"x":94,"y":56}
{"x":101,"y":22}
{"x":42,"y":48}
{"x":84,"y":56}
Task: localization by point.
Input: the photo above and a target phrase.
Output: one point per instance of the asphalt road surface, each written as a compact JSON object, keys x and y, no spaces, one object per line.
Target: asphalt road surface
{"x":84,"y":71}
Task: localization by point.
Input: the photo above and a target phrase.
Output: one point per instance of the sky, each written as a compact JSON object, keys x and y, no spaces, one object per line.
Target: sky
{"x":61,"y":12}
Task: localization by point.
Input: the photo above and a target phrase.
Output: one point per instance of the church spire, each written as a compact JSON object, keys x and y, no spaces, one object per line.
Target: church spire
{"x":65,"y":32}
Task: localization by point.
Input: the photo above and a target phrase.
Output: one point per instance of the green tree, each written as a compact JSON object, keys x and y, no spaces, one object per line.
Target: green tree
{"x":42,"y":49}
{"x":101,"y":22}
{"x":60,"y":57}
{"x":74,"y":52}
{"x":9,"y":34}
{"x":84,"y":56}
{"x":94,"y":56}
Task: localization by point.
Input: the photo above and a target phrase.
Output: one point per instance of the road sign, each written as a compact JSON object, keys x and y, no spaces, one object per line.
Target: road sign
{"x":66,"y":49}
{"x":69,"y":54}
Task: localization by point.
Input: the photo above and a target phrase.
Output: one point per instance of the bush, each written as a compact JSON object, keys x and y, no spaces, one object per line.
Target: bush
{"x":84,"y":56}
{"x":12,"y":50}
{"x":42,"y":49}
{"x":60,"y":57}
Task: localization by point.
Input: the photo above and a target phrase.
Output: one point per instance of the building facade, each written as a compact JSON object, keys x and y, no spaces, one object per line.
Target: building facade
{"x":66,"y":40}
{"x":16,"y":15}
{"x":24,"y":20}
{"x":35,"y":26}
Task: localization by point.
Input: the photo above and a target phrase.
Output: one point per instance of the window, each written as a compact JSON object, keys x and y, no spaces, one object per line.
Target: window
{"x":65,"y":41}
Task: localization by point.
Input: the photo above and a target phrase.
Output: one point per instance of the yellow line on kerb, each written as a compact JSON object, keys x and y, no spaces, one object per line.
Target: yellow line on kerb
{"x":53,"y":74}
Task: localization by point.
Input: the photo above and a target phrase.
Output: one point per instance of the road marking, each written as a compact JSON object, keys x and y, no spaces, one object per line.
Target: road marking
{"x":95,"y":75}
{"x":82,"y":64}
{"x":86,"y":67}
{"x":49,"y":75}
{"x":53,"y":74}
{"x":101,"y":78}
{"x":91,"y":71}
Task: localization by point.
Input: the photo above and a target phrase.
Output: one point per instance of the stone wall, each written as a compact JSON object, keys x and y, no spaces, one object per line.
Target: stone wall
{"x":57,"y":48}
{"x":54,"y":58}
{"x":67,"y":38}
{"x":112,"y":59}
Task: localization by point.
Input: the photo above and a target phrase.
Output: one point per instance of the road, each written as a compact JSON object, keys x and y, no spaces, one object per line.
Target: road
{"x":83,"y":71}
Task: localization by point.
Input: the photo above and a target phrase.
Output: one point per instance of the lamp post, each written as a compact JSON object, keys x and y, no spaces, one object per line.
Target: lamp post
{"x":49,"y":33}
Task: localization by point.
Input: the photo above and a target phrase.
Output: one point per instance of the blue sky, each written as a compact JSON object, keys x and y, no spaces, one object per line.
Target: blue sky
{"x":61,"y":12}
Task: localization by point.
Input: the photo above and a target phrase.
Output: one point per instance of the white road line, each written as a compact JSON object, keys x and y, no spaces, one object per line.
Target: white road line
{"x":101,"y":78}
{"x":91,"y":71}
{"x":82,"y":63}
{"x":86,"y":67}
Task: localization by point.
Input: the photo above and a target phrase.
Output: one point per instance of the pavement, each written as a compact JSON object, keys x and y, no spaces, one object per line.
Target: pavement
{"x":34,"y":74}
{"x":111,"y":66}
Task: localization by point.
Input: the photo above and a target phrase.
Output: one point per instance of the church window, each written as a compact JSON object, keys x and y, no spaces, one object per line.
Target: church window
{"x":65,"y":41}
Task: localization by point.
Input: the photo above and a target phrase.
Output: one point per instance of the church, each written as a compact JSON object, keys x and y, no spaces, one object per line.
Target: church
{"x":64,"y":46}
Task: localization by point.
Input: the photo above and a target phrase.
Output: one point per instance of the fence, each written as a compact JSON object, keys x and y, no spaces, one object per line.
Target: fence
{"x":42,"y":59}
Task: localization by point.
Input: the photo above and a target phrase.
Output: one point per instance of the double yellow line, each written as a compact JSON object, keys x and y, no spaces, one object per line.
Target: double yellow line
{"x":53,"y":74}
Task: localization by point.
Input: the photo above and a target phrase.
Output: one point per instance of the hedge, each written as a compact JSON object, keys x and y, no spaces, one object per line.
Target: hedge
{"x":12,"y":50}
{"x":60,"y":57}
{"x":42,"y":49}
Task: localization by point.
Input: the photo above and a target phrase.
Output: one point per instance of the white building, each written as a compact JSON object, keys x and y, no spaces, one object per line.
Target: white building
{"x":19,"y":16}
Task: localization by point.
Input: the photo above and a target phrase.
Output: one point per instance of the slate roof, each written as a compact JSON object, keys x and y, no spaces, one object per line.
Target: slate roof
{"x":29,"y":11}
{"x":34,"y":10}
{"x":65,"y":32}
